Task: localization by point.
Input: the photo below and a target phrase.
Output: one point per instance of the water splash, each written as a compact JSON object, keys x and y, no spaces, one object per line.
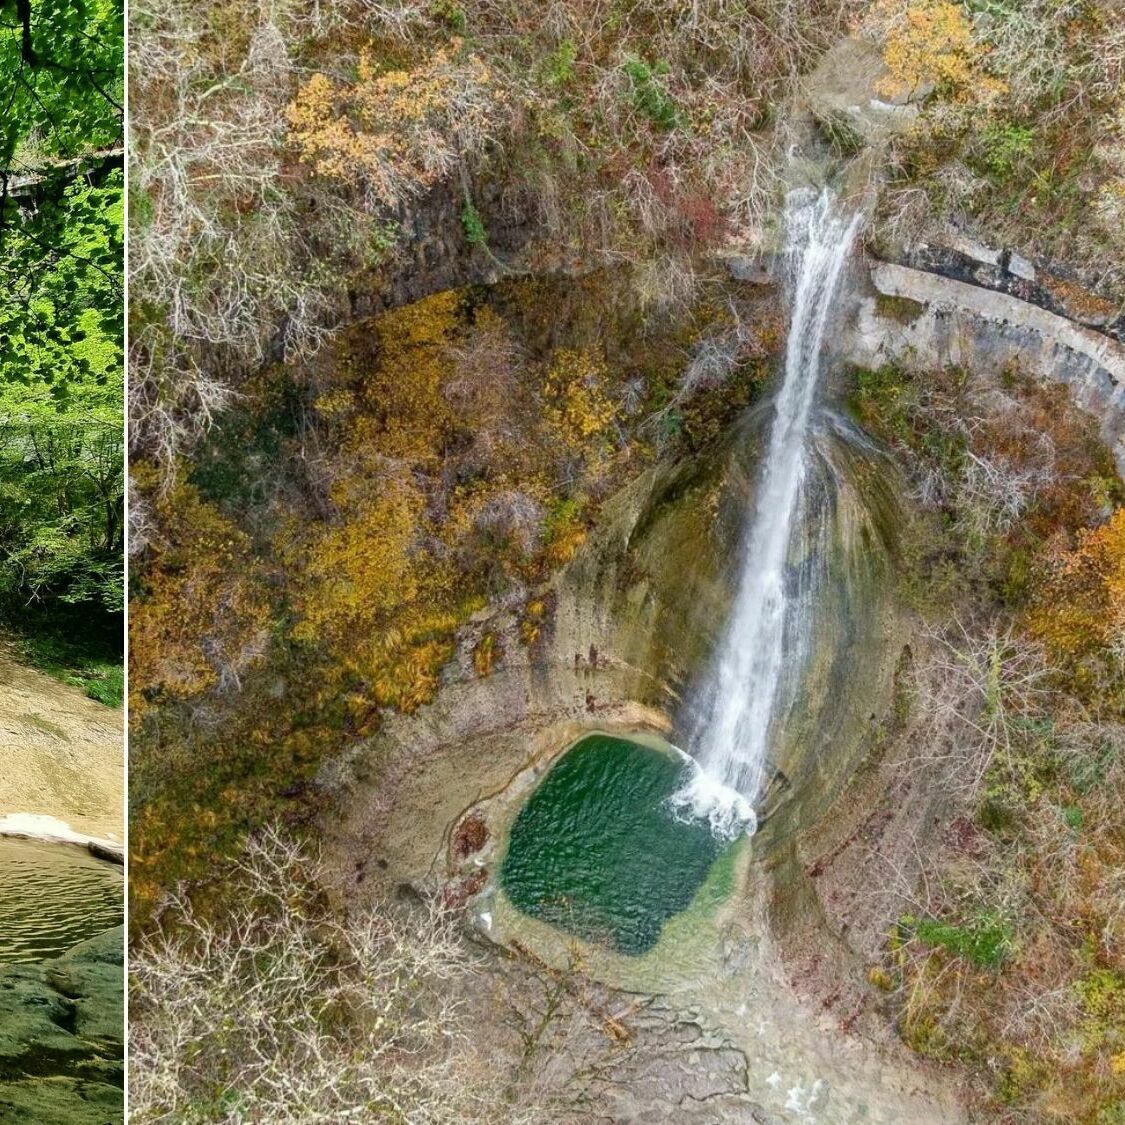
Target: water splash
{"x":755,"y":672}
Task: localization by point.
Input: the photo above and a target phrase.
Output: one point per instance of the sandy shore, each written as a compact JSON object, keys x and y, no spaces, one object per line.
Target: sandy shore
{"x":61,"y":755}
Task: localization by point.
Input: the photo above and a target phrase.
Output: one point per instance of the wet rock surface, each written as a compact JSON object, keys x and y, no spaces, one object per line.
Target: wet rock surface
{"x":62,"y":1029}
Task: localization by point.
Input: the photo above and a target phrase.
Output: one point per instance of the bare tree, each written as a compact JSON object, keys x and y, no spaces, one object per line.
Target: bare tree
{"x":283,"y":1012}
{"x":287,"y":1010}
{"x":979,"y":692}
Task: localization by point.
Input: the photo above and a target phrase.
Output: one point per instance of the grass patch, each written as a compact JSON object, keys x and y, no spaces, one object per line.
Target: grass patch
{"x":984,"y":941}
{"x":78,"y":661}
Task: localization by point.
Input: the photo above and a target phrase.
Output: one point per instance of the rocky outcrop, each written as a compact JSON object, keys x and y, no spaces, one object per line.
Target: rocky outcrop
{"x":62,"y":759}
{"x":62,"y":1033}
{"x":844,"y":94}
{"x":51,"y":830}
{"x":932,"y":321}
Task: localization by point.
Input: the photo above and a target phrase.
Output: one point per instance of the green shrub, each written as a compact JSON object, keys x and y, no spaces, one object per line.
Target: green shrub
{"x":89,"y":662}
{"x":984,"y":941}
{"x":473,"y":225}
{"x":650,"y":96}
{"x":559,"y":66}
{"x":1004,"y":150}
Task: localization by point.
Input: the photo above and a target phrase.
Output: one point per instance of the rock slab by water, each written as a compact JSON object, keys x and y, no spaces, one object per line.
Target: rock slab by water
{"x":62,"y":1037}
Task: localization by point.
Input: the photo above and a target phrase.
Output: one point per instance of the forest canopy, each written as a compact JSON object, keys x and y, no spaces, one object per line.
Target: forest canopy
{"x":61,"y":317}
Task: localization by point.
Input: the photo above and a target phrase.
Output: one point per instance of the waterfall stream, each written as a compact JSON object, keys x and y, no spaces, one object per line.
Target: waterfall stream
{"x":753,"y":678}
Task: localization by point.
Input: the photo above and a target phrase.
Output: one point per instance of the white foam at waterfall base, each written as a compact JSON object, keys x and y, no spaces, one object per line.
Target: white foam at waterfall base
{"x":758,"y":661}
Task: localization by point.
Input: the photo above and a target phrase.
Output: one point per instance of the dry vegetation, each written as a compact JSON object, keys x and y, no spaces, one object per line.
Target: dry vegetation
{"x":279,"y":154}
{"x":286,"y":1012}
{"x":291,"y":1010}
{"x":1008,"y":953}
{"x":1020,"y":141}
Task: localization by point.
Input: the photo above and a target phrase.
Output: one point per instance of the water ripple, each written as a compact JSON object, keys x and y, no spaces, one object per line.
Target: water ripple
{"x":52,"y":897}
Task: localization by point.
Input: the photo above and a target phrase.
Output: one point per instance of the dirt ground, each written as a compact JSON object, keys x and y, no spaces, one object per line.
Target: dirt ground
{"x":61,"y":755}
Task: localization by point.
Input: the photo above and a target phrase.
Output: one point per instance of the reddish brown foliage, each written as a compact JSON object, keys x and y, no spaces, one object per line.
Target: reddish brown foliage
{"x":470,"y":836}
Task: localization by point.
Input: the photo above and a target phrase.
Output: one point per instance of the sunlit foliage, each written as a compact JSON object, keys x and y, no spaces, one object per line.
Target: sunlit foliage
{"x":61,"y":317}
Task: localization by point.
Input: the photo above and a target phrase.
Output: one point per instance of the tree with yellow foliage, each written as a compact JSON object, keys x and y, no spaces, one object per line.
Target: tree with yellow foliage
{"x":928,"y":44}
{"x":202,"y":618}
{"x":394,"y":133}
{"x":576,"y":409}
{"x":375,"y":601}
{"x":368,"y":589}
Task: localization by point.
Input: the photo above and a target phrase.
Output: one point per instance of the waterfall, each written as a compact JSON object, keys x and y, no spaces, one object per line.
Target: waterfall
{"x":754,"y":674}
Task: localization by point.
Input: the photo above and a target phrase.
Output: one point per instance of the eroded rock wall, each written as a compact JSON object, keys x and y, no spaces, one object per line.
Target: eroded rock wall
{"x":930,"y":321}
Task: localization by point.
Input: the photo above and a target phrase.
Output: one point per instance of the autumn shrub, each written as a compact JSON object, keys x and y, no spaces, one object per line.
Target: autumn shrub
{"x":565,"y":529}
{"x":201,"y":617}
{"x":1084,"y":606}
{"x":576,"y":409}
{"x":927,"y":43}
{"x":395,"y":132}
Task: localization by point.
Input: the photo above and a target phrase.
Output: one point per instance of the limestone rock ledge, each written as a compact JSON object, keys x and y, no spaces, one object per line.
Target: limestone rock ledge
{"x":937,"y":321}
{"x":62,"y":1037}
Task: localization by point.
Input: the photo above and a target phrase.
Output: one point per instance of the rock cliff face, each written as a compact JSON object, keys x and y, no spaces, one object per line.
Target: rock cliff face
{"x":62,"y":1037}
{"x":623,"y":635}
{"x":930,"y":321}
{"x":618,"y":642}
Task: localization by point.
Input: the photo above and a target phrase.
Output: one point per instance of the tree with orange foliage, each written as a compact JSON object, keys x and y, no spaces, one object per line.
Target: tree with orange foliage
{"x":1082,"y":608}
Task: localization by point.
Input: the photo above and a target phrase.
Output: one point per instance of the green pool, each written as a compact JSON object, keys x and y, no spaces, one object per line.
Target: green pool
{"x":595,"y":852}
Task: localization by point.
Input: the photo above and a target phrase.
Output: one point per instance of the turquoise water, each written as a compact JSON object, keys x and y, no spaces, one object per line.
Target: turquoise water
{"x":596,"y":852}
